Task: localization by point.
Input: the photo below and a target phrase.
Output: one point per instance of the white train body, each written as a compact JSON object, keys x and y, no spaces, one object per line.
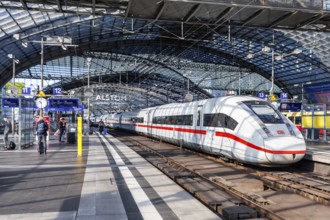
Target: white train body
{"x":242,"y":128}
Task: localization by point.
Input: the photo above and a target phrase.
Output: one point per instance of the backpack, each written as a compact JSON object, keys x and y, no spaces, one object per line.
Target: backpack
{"x":41,"y":128}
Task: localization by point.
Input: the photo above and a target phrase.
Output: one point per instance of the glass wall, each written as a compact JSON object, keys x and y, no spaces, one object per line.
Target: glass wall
{"x":316,"y":122}
{"x":25,"y":123}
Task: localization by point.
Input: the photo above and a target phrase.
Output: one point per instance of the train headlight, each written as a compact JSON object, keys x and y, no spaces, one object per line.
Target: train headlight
{"x":290,"y":129}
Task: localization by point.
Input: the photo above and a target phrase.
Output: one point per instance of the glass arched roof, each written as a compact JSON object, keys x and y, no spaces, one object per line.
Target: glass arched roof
{"x":213,"y":58}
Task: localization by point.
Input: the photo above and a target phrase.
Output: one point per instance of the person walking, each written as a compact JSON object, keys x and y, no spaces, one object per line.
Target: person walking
{"x":62,"y":128}
{"x":101,"y":126}
{"x":6,"y":133}
{"x":42,"y":129}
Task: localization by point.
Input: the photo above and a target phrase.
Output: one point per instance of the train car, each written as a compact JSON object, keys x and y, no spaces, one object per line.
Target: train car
{"x":242,"y":128}
{"x":111,"y":120}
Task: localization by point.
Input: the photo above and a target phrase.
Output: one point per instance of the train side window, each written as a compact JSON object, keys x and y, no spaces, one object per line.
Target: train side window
{"x":187,"y":120}
{"x":173,"y":120}
{"x":298,"y":120}
{"x":230,"y":123}
{"x":162,"y":120}
{"x":213,"y":120}
{"x":219,"y":120}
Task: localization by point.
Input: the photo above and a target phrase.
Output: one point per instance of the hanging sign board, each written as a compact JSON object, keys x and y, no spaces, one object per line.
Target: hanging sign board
{"x":10,"y":103}
{"x":63,"y":103}
{"x":261,"y":95}
{"x":27,"y":104}
{"x":26,"y":90}
{"x":57,"y":91}
{"x":284,"y":95}
{"x":294,"y":107}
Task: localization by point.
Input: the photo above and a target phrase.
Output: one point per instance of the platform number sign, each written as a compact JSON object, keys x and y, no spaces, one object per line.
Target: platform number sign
{"x":57,"y":91}
{"x":284,"y":95}
{"x":261,"y":95}
{"x":26,"y":90}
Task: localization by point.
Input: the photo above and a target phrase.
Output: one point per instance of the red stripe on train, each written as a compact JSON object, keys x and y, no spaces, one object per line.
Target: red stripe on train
{"x":190,"y":130}
{"x":187,"y":130}
{"x":240,"y":140}
{"x":155,"y":127}
{"x":224,"y":134}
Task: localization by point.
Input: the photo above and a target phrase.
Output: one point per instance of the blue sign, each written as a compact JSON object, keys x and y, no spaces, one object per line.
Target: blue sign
{"x":67,"y":109}
{"x":10,"y":103}
{"x":284,"y":95}
{"x":63,"y":103}
{"x":57,"y":91}
{"x":26,"y":90}
{"x":261,"y":95}
{"x":27,"y":103}
{"x":294,"y":107}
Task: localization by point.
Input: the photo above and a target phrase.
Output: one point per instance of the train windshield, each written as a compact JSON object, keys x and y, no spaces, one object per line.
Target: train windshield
{"x":265,"y":112}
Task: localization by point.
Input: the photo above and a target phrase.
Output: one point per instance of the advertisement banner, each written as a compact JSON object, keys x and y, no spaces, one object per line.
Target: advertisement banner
{"x":17,"y":84}
{"x":318,"y":92}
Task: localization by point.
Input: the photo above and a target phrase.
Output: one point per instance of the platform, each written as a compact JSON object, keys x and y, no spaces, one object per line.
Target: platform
{"x":110,"y":181}
{"x":318,"y":151}
{"x":317,"y":158}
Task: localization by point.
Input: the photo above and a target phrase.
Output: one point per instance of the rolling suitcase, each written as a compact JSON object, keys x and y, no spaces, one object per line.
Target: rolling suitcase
{"x":42,"y":149}
{"x":71,"y":137}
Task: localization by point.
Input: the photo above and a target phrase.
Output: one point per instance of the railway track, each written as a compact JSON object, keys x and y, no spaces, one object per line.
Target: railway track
{"x":316,"y":189}
{"x":205,"y":177}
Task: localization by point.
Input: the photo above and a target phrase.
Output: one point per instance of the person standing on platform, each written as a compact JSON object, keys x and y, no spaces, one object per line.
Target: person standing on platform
{"x":101,"y":126}
{"x":6,"y":133}
{"x":62,"y":128}
{"x":42,"y":129}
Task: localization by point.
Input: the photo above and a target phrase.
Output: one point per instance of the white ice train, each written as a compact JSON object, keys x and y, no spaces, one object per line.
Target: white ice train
{"x":242,"y":128}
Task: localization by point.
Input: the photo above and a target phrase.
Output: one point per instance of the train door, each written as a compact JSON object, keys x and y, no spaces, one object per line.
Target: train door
{"x":198,"y":138}
{"x":149,"y":123}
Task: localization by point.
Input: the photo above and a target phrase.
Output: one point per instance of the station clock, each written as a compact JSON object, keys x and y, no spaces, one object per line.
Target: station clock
{"x":41,"y":102}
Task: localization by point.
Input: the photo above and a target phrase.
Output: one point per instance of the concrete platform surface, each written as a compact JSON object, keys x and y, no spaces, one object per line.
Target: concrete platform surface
{"x":110,"y":181}
{"x":318,"y":151}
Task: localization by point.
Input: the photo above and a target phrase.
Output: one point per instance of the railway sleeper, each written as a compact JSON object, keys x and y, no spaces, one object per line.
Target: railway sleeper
{"x":172,"y":172}
{"x":306,"y":192}
{"x":310,"y":183}
{"x":227,"y":206}
{"x":239,"y":212}
{"x":197,"y":184}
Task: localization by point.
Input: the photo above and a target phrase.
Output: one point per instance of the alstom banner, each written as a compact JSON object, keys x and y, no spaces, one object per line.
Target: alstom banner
{"x":107,"y":97}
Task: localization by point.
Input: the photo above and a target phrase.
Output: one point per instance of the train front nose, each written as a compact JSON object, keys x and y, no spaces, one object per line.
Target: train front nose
{"x":284,"y":150}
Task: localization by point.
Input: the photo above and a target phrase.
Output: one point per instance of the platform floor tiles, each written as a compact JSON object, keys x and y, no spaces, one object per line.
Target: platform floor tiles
{"x":110,"y":181}
{"x":136,"y":189}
